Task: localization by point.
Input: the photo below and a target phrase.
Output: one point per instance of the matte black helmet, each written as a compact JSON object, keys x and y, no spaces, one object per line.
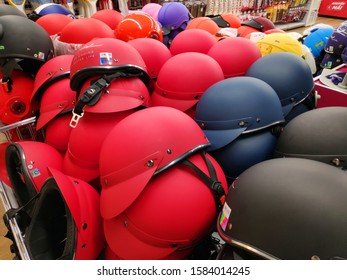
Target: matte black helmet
{"x":286,"y":208}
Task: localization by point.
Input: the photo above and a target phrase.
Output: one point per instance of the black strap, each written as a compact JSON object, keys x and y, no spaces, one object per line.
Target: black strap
{"x":210,"y":181}
{"x":7,"y":67}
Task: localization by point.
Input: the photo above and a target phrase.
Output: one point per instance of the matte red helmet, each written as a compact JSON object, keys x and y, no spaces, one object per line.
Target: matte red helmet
{"x":16,"y":97}
{"x":57,"y":132}
{"x":235,"y":55}
{"x":204,"y":23}
{"x":120,"y":95}
{"x":192,"y":40}
{"x":138,"y":25}
{"x":156,"y":224}
{"x":52,"y":89}
{"x":82,"y":157}
{"x":153,"y":52}
{"x":145,"y":143}
{"x":109,"y":16}
{"x":53,"y":23}
{"x":181,"y":87}
{"x":110,"y":56}
{"x":79,"y":32}
{"x":27,"y":165}
{"x":66,"y":223}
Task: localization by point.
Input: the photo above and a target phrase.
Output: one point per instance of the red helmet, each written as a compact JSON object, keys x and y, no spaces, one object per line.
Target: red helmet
{"x":192,"y":40}
{"x":204,"y":23}
{"x":79,"y":32}
{"x":261,"y":24}
{"x":110,"y":56}
{"x":82,"y":157}
{"x":138,"y":25}
{"x":109,"y":16}
{"x":52,"y":89}
{"x":156,"y":224}
{"x":57,"y":132}
{"x":145,"y":143}
{"x":27,"y":165}
{"x":235,"y":55}
{"x":66,"y":223}
{"x":154,"y":54}
{"x":120,"y":95}
{"x":53,"y":23}
{"x":244,"y":30}
{"x":16,"y":97}
{"x":181,"y":87}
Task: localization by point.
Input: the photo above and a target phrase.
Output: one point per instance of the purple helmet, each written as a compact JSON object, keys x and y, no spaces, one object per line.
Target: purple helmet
{"x":152,"y":9}
{"x":338,"y":40}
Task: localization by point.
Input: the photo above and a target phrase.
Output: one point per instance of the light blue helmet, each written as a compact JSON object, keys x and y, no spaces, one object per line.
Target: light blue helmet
{"x":317,"y":40}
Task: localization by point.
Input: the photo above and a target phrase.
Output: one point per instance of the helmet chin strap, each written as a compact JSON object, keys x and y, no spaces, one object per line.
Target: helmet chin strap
{"x":92,"y":94}
{"x":211,"y":181}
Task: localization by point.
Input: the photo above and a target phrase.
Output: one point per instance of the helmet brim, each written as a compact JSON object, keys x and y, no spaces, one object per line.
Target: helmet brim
{"x":221,"y":138}
{"x":183,"y":105}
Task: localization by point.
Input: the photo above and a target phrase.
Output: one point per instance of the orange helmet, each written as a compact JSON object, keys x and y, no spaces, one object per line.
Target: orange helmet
{"x":138,"y":25}
{"x":227,"y":20}
{"x":205,"y":23}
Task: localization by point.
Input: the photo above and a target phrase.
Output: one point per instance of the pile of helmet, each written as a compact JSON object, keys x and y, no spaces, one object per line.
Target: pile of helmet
{"x":146,"y":123}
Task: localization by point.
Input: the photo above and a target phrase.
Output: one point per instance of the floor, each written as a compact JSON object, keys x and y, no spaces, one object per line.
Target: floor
{"x":5,"y":253}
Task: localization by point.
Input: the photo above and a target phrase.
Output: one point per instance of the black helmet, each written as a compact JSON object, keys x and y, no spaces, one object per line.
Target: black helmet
{"x":318,"y":134}
{"x":23,"y":44}
{"x":10,"y":10}
{"x":286,"y":208}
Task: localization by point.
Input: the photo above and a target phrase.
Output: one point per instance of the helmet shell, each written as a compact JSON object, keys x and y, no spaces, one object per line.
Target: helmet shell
{"x":192,"y":40}
{"x":317,"y":40}
{"x":53,"y":8}
{"x":292,"y":83}
{"x":204,"y":23}
{"x":80,"y":235}
{"x":227,"y":20}
{"x":27,"y":165}
{"x":317,"y":135}
{"x":181,"y":87}
{"x":262,"y":24}
{"x":10,"y":10}
{"x":53,"y":23}
{"x":164,"y":136}
{"x":224,"y":111}
{"x":173,"y":15}
{"x":138,"y":25}
{"x":235,"y":55}
{"x":338,"y":40}
{"x":152,"y":9}
{"x":156,"y":227}
{"x":265,"y":227}
{"x":109,"y":16}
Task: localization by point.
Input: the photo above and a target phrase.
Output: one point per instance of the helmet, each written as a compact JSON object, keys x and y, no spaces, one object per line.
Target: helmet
{"x":10,"y":10}
{"x":152,"y":9}
{"x":192,"y":40}
{"x":52,"y":89}
{"x":204,"y":23}
{"x":53,"y":23}
{"x":72,"y":229}
{"x":245,"y":30}
{"x":50,"y":8}
{"x":245,"y":151}
{"x":113,"y":56}
{"x":138,"y":26}
{"x":27,"y":165}
{"x":3,"y":171}
{"x":24,"y":43}
{"x":153,"y":227}
{"x":181,"y":87}
{"x":164,"y":136}
{"x":173,"y":15}
{"x":317,"y":40}
{"x":317,"y":135}
{"x":292,"y":83}
{"x":79,"y":32}
{"x":268,"y":207}
{"x":16,"y":100}
{"x":261,"y":24}
{"x":235,"y":55}
{"x":57,"y":132}
{"x":120,"y":95}
{"x":255,"y":36}
{"x":330,"y":60}
{"x":338,"y":40}
{"x":277,"y":30}
{"x":82,"y":158}
{"x":227,"y":20}
{"x":225,"y":110}
{"x":279,"y":42}
{"x":309,"y":58}
{"x":109,"y":16}
{"x":153,"y":52}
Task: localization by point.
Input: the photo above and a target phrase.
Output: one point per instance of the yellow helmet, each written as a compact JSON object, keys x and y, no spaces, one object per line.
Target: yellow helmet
{"x":279,"y":42}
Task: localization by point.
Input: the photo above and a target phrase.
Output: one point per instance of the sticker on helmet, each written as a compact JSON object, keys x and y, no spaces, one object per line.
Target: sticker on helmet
{"x":224,"y":217}
{"x":35,"y":172}
{"x":40,"y":55}
{"x":105,"y":58}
